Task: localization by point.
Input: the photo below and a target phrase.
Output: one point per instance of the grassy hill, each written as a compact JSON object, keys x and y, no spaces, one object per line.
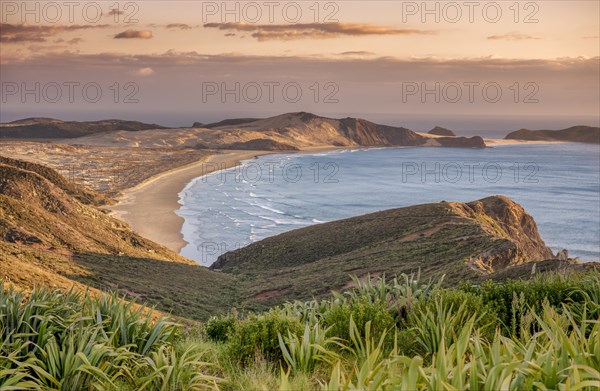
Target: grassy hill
{"x":463,"y":241}
{"x":52,"y":235}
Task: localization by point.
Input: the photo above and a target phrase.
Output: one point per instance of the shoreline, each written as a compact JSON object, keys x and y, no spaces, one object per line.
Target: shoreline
{"x":149,"y":207}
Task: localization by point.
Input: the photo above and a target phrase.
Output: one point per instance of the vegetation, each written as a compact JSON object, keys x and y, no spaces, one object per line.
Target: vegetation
{"x":70,"y":341}
{"x":399,"y":334}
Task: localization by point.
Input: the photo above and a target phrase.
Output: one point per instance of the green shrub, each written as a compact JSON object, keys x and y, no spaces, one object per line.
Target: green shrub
{"x":219,"y":329}
{"x":258,"y":335}
{"x":361,"y":310}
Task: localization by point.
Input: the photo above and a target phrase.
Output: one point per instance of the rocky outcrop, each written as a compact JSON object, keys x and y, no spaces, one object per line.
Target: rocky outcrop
{"x":519,"y":239}
{"x":439,"y":131}
{"x":579,"y":134}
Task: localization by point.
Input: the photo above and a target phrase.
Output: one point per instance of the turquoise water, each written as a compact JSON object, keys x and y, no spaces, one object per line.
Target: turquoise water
{"x":558,"y":184}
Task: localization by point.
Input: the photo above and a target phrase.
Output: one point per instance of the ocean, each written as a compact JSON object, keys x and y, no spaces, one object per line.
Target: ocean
{"x":558,"y":184}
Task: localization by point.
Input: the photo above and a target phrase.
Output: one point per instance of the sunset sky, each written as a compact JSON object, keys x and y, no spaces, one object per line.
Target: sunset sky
{"x":349,"y":58}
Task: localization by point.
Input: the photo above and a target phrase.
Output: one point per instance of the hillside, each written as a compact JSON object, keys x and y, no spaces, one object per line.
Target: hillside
{"x":461,"y":240}
{"x":286,"y":132}
{"x":52,"y":235}
{"x":50,"y":128}
{"x":579,"y":134}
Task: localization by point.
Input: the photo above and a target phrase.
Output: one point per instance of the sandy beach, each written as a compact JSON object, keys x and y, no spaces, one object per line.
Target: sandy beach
{"x":149,"y":208}
{"x":490,"y":142}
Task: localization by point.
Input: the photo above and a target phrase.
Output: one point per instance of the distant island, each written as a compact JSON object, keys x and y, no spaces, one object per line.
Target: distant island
{"x":577,"y":134}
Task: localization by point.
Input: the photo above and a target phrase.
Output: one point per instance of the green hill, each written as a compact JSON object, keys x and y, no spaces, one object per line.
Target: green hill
{"x":462,"y":240}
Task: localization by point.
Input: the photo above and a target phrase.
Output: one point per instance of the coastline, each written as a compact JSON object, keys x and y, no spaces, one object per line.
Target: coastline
{"x":149,"y":207}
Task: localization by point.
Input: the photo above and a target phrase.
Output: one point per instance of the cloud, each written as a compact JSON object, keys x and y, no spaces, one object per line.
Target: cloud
{"x":357,"y":53}
{"x":15,"y":33}
{"x":180,"y":26}
{"x":133,"y":34}
{"x":340,"y":68}
{"x":366,"y":84}
{"x":147,"y":71}
{"x":512,"y":36}
{"x":286,"y":32}
{"x":46,"y":48}
{"x":592,"y":37}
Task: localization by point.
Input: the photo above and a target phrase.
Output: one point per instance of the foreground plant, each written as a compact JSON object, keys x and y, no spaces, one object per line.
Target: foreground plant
{"x":55,"y":341}
{"x":485,"y":337}
{"x":560,"y":357}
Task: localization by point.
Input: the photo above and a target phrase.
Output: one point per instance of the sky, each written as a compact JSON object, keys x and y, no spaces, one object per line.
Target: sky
{"x":468,"y":64}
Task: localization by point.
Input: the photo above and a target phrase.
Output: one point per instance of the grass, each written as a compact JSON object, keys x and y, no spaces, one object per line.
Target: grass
{"x":398,"y":334}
